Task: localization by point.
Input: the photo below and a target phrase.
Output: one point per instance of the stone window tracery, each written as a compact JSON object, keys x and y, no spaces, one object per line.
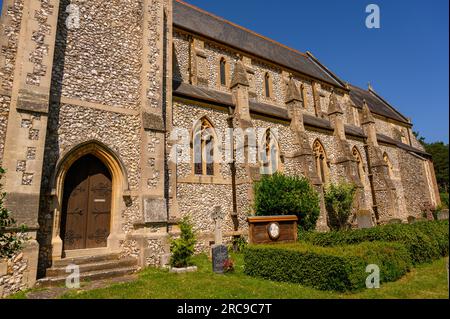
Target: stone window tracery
{"x":361,"y":170}
{"x":270,"y":154}
{"x":204,"y":148}
{"x":321,"y":162}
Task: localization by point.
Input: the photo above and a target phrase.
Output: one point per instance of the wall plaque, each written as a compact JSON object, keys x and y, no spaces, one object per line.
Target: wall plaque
{"x":155,"y":210}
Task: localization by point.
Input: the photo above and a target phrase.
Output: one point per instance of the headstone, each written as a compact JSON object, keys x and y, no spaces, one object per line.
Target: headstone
{"x":165,"y":260}
{"x":217,"y":216}
{"x":155,"y":210}
{"x":364,"y":219}
{"x":428,"y":208}
{"x":219,"y":256}
{"x":430,"y":215}
{"x":443,"y":215}
{"x":411,"y":219}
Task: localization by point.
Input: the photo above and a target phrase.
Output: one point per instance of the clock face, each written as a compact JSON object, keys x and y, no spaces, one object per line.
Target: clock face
{"x":274,"y":231}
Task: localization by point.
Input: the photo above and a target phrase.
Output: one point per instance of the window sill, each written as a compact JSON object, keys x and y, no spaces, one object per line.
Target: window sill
{"x":200,"y":179}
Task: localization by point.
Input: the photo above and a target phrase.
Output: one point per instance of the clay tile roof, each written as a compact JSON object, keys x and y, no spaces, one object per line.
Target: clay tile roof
{"x":193,"y":19}
{"x":376,"y":104}
{"x":222,"y":98}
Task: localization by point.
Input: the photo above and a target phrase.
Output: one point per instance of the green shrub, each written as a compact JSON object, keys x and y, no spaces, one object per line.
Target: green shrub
{"x":338,"y":202}
{"x":182,"y":249}
{"x":238,"y":245}
{"x":11,"y":241}
{"x":425,"y":241}
{"x":337,"y":268}
{"x":437,"y":232}
{"x":444,"y":200}
{"x":287,"y":195}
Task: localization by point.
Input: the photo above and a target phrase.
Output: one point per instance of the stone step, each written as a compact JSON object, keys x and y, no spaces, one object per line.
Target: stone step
{"x":84,"y":260}
{"x":91,"y":276}
{"x":100,"y":265}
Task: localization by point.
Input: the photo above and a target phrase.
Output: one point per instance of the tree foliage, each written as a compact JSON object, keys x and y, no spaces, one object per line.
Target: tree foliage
{"x":278,"y":194}
{"x":183,"y":248}
{"x":439,"y":151}
{"x":338,"y":202}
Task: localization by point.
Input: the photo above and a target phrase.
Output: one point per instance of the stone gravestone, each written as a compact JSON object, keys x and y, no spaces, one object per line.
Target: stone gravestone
{"x":428,"y":211}
{"x":364,"y":219}
{"x":443,"y":214}
{"x":411,"y":219}
{"x":219,"y":256}
{"x":219,"y":251}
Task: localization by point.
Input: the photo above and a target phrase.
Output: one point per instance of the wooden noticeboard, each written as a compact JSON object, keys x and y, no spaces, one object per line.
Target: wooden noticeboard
{"x":272,"y":229}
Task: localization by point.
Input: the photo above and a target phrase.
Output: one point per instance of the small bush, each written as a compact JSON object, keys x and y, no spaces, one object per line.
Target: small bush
{"x":11,"y":241}
{"x":287,"y":195}
{"x":182,"y":249}
{"x":425,"y":241}
{"x":228,"y":265}
{"x":338,"y":202}
{"x":338,"y":268}
{"x":238,"y":245}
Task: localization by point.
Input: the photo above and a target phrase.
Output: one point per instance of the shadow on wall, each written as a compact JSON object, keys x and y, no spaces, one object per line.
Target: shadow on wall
{"x":51,"y":154}
{"x":176,"y":66}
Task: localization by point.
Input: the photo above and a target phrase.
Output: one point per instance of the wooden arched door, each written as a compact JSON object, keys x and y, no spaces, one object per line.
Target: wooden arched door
{"x":86,"y":209}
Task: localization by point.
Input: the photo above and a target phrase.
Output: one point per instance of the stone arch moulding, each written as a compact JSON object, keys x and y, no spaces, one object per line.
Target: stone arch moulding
{"x":197,"y":128}
{"x":268,"y":143}
{"x":120,"y":192}
{"x":360,"y":163}
{"x":322,"y":161}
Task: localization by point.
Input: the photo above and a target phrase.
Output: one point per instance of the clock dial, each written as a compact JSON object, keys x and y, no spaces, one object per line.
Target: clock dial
{"x":274,"y":231}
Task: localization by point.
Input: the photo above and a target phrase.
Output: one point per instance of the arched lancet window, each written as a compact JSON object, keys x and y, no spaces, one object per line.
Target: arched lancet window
{"x":361,"y":171}
{"x":267,"y":85}
{"x":203,"y":148}
{"x":270,"y":154}
{"x":389,"y":164}
{"x":321,"y":161}
{"x":223,"y":72}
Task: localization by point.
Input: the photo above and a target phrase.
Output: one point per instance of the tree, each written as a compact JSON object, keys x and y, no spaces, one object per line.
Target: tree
{"x":278,"y":194}
{"x":183,"y":248}
{"x":338,"y":202}
{"x":439,"y":152}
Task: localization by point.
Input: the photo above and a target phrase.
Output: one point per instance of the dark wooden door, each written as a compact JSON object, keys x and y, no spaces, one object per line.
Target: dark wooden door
{"x":86,"y":205}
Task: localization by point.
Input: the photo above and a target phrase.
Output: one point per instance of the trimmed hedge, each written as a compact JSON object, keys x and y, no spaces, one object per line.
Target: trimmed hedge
{"x":327,"y":268}
{"x":425,"y":241}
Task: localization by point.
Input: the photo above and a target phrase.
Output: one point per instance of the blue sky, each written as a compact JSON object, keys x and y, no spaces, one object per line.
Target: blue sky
{"x":406,"y":60}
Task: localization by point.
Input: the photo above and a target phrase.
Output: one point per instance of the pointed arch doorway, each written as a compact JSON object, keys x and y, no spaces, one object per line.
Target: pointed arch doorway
{"x":86,"y":206}
{"x":112,"y":173}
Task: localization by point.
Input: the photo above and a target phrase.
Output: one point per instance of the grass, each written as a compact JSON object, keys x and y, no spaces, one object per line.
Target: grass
{"x":424,"y":281}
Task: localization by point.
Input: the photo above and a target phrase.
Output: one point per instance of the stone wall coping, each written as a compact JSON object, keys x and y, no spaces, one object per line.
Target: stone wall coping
{"x":266,"y":219}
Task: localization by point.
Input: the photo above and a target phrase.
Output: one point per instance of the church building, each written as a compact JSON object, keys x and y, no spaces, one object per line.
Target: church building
{"x":96,"y":97}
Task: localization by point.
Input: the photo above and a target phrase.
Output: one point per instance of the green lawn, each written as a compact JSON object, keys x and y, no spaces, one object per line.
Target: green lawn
{"x":425,"y":281}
